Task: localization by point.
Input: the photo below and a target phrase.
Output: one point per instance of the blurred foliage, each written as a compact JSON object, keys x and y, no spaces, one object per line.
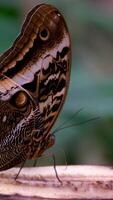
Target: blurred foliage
{"x":9,"y":11}
{"x":9,"y":25}
{"x":91,"y":86}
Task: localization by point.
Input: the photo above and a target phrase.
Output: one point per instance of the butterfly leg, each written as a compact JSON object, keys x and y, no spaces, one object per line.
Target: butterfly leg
{"x":22,"y":165}
{"x":56,"y":173}
{"x":35,"y":163}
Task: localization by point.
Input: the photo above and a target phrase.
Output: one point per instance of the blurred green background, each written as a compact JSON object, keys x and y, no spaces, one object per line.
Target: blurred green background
{"x":91,"y":86}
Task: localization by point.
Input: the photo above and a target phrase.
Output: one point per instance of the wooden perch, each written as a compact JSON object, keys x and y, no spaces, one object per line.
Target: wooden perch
{"x":78,"y":182}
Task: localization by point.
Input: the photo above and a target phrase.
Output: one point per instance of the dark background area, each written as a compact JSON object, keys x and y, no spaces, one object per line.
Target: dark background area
{"x":91,"y":86}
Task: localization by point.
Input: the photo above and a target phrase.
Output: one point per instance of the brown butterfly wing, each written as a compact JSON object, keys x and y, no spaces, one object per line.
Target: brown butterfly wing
{"x":39,"y":63}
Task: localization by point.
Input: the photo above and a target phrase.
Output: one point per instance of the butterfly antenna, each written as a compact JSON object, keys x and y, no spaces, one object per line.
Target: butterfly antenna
{"x":76,"y":124}
{"x":65,"y":122}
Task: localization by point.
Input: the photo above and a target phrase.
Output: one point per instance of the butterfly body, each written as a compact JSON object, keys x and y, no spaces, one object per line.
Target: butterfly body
{"x":34,"y":77}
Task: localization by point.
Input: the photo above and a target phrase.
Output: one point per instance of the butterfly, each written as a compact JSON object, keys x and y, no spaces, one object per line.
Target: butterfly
{"x":34,"y":78}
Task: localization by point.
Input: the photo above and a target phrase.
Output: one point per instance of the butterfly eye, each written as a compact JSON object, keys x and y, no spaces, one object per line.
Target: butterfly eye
{"x":20,"y":99}
{"x":44,"y":34}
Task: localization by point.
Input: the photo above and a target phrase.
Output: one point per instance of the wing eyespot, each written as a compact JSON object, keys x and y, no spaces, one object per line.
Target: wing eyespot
{"x":19,"y":100}
{"x":44,"y":34}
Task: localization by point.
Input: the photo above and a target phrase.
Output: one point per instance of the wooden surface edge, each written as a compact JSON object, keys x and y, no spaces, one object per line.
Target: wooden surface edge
{"x":78,"y":182}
